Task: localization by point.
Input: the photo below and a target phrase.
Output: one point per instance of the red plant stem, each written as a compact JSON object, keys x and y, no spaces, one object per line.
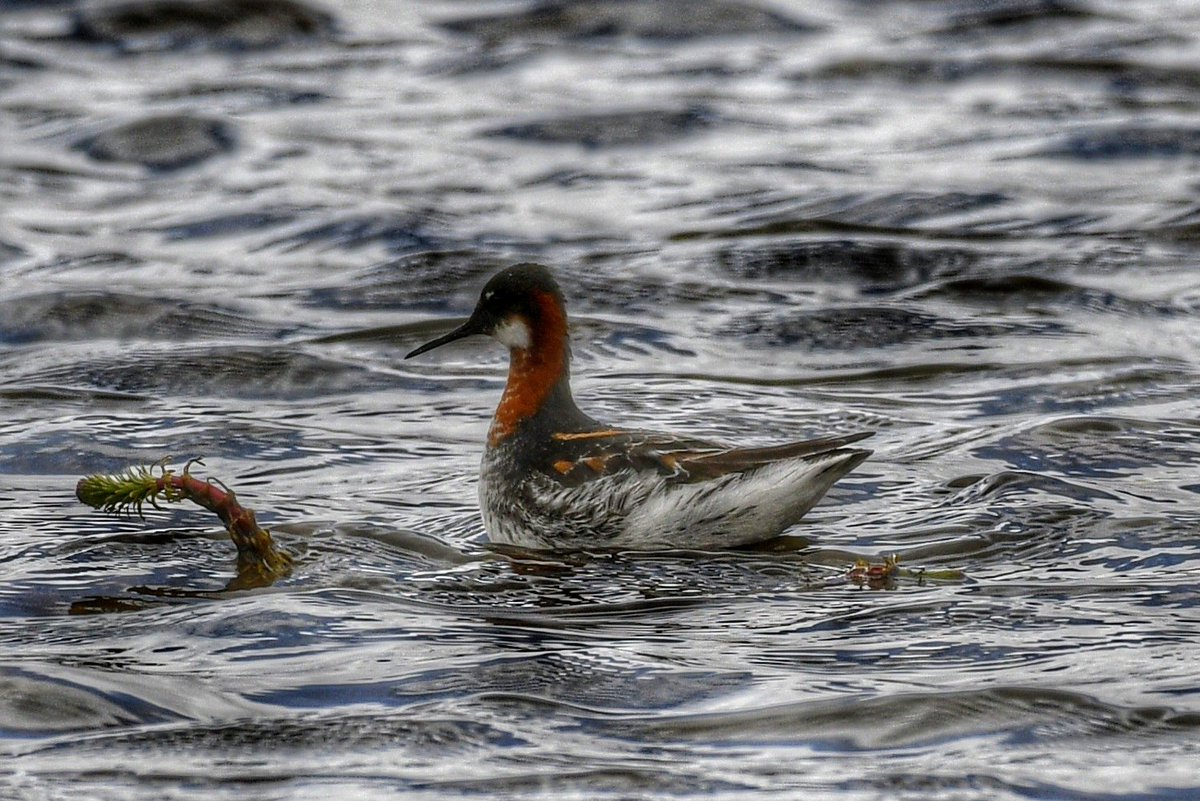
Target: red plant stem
{"x":256,"y":549}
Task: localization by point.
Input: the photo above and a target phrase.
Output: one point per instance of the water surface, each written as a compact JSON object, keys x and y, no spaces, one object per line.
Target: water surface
{"x":969,"y":226}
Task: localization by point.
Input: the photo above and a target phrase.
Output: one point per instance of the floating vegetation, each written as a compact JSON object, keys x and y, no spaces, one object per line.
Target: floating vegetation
{"x":260,"y":562}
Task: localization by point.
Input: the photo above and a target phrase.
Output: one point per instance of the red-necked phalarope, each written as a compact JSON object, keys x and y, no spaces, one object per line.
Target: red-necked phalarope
{"x":553,"y":477}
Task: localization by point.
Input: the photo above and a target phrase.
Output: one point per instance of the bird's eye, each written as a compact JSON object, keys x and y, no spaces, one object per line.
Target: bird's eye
{"x":488,"y":295}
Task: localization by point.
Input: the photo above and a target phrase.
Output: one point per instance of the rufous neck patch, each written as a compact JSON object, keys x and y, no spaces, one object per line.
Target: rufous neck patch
{"x":533,"y":371}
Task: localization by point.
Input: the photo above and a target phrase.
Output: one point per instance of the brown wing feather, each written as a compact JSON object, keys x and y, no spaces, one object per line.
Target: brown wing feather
{"x":606,"y":452}
{"x":732,"y":460}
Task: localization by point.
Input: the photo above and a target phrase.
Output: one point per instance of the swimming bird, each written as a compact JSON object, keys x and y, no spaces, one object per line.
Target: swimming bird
{"x":553,"y":477}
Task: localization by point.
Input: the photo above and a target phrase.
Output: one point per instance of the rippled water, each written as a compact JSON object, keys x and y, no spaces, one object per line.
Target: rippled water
{"x":970,"y":225}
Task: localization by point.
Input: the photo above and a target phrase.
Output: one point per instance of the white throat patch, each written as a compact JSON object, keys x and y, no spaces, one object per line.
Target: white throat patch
{"x":513,"y":332}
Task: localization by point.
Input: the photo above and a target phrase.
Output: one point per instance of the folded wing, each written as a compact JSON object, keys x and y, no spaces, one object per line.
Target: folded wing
{"x":592,"y":455}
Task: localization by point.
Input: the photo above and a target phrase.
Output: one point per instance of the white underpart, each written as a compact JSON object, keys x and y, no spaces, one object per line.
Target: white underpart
{"x":513,"y":332}
{"x":735,"y":509}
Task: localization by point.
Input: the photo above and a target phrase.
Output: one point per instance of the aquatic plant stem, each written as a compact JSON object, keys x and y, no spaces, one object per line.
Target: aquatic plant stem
{"x":260,"y":562}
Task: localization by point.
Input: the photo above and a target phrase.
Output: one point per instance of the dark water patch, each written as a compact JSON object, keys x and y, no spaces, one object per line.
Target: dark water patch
{"x":243,"y":94}
{"x":589,"y":288}
{"x":564,"y":777}
{"x":872,"y":265}
{"x":429,"y":279}
{"x":1028,"y":292}
{"x":1085,"y":394}
{"x":107,"y":263}
{"x":1098,"y":447}
{"x":954,"y":214}
{"x":8,"y":61}
{"x":148,"y":25}
{"x":16,"y":5}
{"x":241,"y":372}
{"x":112,"y":315}
{"x":990,"y":17}
{"x":908,"y":376}
{"x":475,"y":61}
{"x":1067,"y":542}
{"x":401,"y":232}
{"x":33,"y":393}
{"x":1021,"y":482}
{"x":628,"y":338}
{"x":32,"y":705}
{"x":226,"y":225}
{"x":413,"y":550}
{"x":1183,"y":596}
{"x":908,"y":70}
{"x":799,"y":165}
{"x":113,"y":441}
{"x":1025,"y":716}
{"x":9,"y":252}
{"x":1126,"y":142}
{"x":899,"y":209}
{"x":431,"y":735}
{"x":1009,"y":518}
{"x":576,"y":677}
{"x":1186,"y":232}
{"x":1121,"y":76}
{"x":612,"y":129}
{"x":588,"y":592}
{"x":1115,"y":75}
{"x":951,"y":784}
{"x":53,"y":174}
{"x":161,"y":143}
{"x":567,"y":178}
{"x":710,"y":71}
{"x":855,"y":328}
{"x":1156,"y":549}
{"x":668,"y":20}
{"x":1180,"y":226}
